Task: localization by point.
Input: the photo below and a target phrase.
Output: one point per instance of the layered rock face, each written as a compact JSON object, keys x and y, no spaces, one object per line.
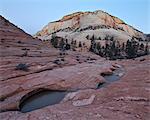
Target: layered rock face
{"x":78,"y":25}
{"x":10,"y":30}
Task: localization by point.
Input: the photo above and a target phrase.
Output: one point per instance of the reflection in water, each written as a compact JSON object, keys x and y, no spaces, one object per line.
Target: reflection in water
{"x":117,"y":74}
{"x":42,"y":99}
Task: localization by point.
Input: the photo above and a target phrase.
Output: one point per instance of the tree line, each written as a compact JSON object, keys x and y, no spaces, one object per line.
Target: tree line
{"x":114,"y":50}
{"x":63,"y":44}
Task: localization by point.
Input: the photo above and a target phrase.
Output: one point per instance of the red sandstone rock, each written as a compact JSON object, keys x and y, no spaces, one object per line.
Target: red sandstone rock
{"x":126,"y":99}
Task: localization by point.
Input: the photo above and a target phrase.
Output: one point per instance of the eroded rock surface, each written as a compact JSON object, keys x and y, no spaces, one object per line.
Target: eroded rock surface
{"x":126,"y":99}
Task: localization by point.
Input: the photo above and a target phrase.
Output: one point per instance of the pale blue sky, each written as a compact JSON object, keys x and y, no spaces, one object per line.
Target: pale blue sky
{"x":32,"y":15}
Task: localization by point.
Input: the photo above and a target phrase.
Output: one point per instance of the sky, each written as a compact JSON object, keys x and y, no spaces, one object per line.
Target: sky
{"x":33,"y":15}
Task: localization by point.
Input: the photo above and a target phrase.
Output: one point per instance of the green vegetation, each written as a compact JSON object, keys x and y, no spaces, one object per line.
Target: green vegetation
{"x":111,"y":50}
{"x":59,"y":42}
{"x":80,"y":44}
{"x":114,"y":50}
{"x":23,"y":67}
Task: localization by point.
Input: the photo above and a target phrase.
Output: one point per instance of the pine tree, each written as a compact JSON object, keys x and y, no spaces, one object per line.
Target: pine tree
{"x":118,"y":49}
{"x":141,"y":46}
{"x":66,"y":41}
{"x":75,"y":43}
{"x":93,"y":44}
{"x":99,"y":38}
{"x":113,"y":47}
{"x":67,"y":46}
{"x":87,"y":37}
{"x":54,"y":40}
{"x":103,"y":51}
{"x":123,"y":47}
{"x":93,"y":37}
{"x":61,"y":44}
{"x":107,"y":37}
{"x":112,"y":38}
{"x":131,"y":48}
{"x":146,"y":51}
{"x":53,"y":35}
{"x":80,"y":44}
{"x":72,"y":42}
{"x":97,"y":48}
{"x":128,"y":48}
{"x":106,"y":50}
{"x":84,"y":44}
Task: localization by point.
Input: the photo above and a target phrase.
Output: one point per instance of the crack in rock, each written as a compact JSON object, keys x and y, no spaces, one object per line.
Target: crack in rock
{"x":132,"y":99}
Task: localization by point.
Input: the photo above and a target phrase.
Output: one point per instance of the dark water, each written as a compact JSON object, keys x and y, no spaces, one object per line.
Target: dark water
{"x":111,"y":78}
{"x":41,"y":99}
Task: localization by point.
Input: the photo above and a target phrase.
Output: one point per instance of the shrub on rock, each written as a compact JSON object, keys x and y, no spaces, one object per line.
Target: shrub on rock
{"x":23,"y":67}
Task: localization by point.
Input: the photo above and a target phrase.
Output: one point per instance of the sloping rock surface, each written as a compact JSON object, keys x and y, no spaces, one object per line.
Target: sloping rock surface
{"x":127,"y":99}
{"x":28,"y":64}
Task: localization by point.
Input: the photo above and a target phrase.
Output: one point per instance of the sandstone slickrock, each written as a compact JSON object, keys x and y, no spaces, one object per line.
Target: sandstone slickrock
{"x":44,"y":72}
{"x":39,"y":56}
{"x":126,"y":99}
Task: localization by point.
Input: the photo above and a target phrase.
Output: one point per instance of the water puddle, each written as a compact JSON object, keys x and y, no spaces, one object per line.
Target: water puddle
{"x":117,"y":74}
{"x":41,"y":99}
